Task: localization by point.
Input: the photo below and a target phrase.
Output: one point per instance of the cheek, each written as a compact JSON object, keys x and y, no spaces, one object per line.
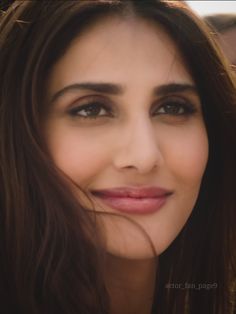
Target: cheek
{"x":186,"y":154}
{"x":77,"y":155}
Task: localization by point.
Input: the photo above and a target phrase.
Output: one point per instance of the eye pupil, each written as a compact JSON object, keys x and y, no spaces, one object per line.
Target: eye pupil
{"x":93,"y":110}
{"x":173,"y":108}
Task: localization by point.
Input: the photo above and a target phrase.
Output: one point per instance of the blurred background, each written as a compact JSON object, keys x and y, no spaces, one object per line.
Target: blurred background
{"x":221,"y":16}
{"x":212,"y":7}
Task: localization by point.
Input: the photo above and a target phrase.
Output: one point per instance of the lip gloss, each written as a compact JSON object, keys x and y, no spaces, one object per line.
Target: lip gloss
{"x":134,"y":205}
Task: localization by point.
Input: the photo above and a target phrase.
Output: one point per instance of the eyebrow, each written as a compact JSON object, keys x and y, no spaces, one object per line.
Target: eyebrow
{"x":116,"y":89}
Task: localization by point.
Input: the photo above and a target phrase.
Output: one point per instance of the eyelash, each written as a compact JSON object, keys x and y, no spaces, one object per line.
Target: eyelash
{"x":93,"y":105}
{"x":187,"y":109}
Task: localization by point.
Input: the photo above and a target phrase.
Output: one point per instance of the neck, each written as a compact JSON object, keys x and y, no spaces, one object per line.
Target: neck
{"x":131,"y":284}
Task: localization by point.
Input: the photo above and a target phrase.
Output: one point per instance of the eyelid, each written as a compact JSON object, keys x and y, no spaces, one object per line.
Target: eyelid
{"x":84,"y":103}
{"x":178,"y":96}
{"x":181,"y":98}
{"x":84,"y":100}
{"x":190,"y":106}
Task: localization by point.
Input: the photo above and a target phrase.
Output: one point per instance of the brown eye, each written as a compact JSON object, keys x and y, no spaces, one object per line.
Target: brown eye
{"x":91,"y":110}
{"x":176,"y":108}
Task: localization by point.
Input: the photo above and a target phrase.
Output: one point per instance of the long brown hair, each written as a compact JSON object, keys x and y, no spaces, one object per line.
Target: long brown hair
{"x":51,"y":256}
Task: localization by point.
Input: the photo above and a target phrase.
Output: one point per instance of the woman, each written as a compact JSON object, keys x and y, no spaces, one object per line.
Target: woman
{"x":118,"y":158}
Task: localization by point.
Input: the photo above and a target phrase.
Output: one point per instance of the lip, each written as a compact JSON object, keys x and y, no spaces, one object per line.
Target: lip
{"x":134,"y":200}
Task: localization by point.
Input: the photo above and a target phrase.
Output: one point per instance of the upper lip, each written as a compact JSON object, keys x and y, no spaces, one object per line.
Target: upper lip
{"x":133,"y":192}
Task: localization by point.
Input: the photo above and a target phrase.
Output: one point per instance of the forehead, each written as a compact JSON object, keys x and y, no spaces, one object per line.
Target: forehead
{"x":119,"y":49}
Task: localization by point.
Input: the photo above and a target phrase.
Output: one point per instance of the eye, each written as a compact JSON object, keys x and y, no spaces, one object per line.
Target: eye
{"x":91,"y":110}
{"x":175,"y":107}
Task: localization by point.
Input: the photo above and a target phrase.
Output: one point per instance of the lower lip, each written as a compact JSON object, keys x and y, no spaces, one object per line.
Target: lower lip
{"x":134,"y":205}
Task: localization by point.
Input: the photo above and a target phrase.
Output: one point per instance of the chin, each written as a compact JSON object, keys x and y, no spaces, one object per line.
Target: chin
{"x":137,"y":250}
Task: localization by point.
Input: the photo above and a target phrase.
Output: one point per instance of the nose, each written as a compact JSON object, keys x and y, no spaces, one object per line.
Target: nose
{"x":138,"y":148}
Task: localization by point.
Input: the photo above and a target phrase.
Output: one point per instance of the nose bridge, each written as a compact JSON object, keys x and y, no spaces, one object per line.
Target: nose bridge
{"x":141,"y":131}
{"x":139,"y":147}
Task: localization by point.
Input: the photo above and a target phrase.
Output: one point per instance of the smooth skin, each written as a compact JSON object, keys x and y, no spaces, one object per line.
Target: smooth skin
{"x":143,"y":135}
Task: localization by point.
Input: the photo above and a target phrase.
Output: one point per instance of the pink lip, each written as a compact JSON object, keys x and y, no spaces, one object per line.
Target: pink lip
{"x":134,"y":200}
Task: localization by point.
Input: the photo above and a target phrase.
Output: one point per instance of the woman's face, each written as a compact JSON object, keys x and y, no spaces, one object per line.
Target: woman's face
{"x":124,"y":113}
